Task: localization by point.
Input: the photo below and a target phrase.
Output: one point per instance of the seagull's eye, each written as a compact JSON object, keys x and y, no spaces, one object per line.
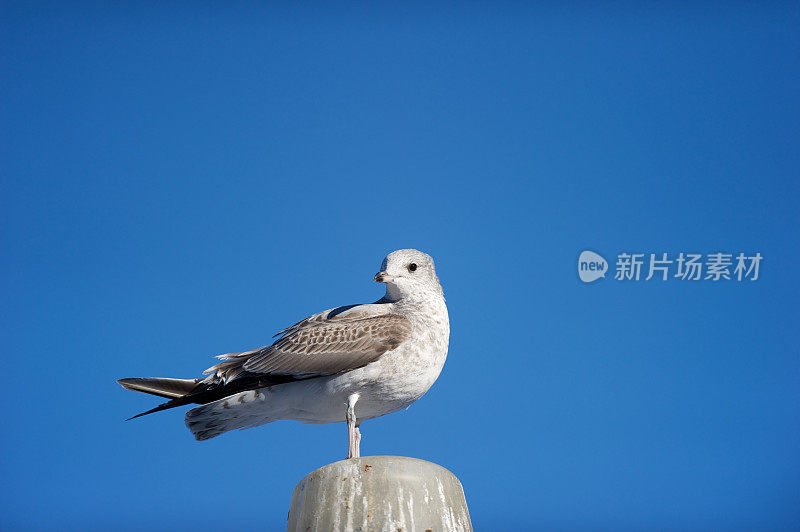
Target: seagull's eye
{"x":412,"y":267}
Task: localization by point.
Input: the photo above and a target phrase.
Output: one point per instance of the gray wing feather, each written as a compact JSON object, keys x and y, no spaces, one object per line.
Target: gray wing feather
{"x":318,"y":346}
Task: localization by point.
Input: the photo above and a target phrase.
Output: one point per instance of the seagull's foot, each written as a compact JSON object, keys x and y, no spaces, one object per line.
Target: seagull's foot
{"x":353,"y":434}
{"x":354,"y":447}
{"x":358,"y":443}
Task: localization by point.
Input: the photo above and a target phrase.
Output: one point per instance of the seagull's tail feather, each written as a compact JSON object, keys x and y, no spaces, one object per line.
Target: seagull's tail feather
{"x":169,"y":388}
{"x":178,"y":391}
{"x":187,"y":391}
{"x":212,"y":419}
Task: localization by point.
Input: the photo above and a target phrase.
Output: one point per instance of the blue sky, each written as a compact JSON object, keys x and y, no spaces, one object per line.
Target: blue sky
{"x":183,"y":181}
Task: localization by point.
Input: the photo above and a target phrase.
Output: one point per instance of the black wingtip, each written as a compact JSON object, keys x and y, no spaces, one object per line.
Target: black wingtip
{"x":159,"y":408}
{"x":126,"y":383}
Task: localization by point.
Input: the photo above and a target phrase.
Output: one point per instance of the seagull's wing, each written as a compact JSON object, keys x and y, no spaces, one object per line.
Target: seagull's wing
{"x":330,"y":342}
{"x":327,"y":343}
{"x":333,"y":347}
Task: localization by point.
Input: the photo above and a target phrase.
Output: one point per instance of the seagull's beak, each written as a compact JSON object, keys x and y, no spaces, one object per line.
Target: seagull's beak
{"x":383,"y":277}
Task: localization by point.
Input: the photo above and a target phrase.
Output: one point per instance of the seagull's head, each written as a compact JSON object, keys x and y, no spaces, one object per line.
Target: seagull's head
{"x":407,"y":272}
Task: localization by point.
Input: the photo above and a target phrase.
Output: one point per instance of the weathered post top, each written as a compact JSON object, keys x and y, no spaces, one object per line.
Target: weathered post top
{"x":382,"y":493}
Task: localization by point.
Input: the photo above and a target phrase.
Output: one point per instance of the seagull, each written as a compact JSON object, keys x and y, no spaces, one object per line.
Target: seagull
{"x":346,"y":364}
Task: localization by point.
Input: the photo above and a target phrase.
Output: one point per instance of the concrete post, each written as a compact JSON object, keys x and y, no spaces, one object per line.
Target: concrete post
{"x":380,"y":493}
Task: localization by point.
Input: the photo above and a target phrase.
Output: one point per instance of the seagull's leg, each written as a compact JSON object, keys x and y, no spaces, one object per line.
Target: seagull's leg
{"x":358,"y":439}
{"x":353,"y":434}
